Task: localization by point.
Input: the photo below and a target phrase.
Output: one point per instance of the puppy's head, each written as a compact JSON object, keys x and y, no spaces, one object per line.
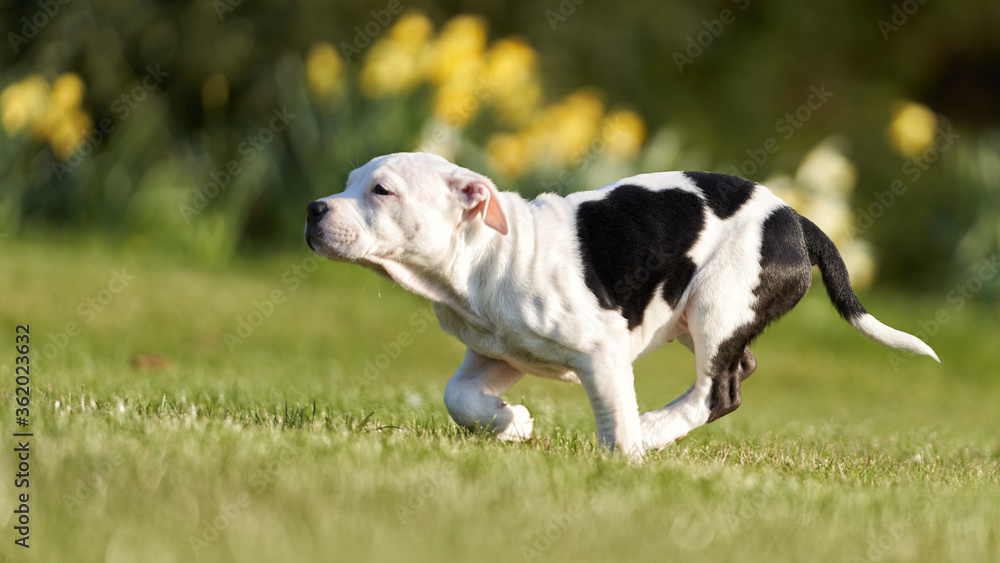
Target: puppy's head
{"x":402,"y":208}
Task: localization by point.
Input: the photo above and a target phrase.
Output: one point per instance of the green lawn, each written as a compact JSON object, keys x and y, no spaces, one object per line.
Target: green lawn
{"x":158,"y":437}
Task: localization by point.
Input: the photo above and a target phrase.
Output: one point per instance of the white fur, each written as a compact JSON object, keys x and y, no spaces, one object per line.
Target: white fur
{"x":878,"y":332}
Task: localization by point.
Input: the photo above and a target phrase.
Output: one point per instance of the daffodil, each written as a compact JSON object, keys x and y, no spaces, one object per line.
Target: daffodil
{"x":67,"y":91}
{"x":509,"y":153}
{"x":565,"y":129}
{"x":511,"y":67}
{"x":323,"y":70}
{"x":912,"y":128}
{"x":397,"y":63}
{"x":458,"y":49}
{"x":624,"y":132}
{"x":413,"y":30}
{"x":456,"y":102}
{"x":390,"y":68}
{"x":22,"y":103}
{"x":66,"y":132}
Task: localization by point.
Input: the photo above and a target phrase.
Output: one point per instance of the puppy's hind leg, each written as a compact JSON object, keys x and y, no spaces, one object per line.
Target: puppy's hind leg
{"x":697,"y":405}
{"x":722,"y":328}
{"x":472,"y":396}
{"x":658,"y":426}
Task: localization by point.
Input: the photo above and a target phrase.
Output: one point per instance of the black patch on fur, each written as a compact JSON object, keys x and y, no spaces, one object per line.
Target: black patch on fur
{"x":785,"y":276}
{"x":823,"y":253}
{"x":634,"y":239}
{"x":725,"y":194}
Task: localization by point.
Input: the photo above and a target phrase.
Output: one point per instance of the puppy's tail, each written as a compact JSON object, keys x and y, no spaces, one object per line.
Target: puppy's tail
{"x":824,"y":254}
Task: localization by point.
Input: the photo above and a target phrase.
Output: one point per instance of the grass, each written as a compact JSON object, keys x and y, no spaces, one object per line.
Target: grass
{"x":155,"y":442}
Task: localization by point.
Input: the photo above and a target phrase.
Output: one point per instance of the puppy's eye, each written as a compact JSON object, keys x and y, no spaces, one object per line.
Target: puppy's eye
{"x":380,"y":190}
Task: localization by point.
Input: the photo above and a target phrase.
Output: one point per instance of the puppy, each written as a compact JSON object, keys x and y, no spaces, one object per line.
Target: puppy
{"x":577,"y":288}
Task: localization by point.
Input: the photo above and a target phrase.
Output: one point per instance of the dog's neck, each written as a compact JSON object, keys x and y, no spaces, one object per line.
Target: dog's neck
{"x":475,"y":256}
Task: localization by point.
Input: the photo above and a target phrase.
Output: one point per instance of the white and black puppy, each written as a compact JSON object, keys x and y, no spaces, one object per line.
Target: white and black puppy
{"x":577,"y":288}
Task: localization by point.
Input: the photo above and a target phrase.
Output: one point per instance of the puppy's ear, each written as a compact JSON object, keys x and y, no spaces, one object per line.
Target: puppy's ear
{"x":479,"y":197}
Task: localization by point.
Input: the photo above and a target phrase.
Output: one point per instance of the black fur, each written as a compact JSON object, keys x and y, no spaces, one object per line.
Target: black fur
{"x":786,"y":273}
{"x":832,"y":268}
{"x":725,"y":194}
{"x":632,"y":240}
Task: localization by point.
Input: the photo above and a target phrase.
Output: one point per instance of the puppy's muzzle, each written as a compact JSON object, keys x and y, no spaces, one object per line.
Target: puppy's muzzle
{"x":328,"y":234}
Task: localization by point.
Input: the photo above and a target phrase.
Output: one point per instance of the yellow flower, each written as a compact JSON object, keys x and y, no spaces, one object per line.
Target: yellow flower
{"x":67,"y":131}
{"x":67,"y":91}
{"x":391,"y":67}
{"x":397,"y":62}
{"x":564,"y":130}
{"x":510,"y":67}
{"x":510,"y":62}
{"x":458,"y":49}
{"x":53,"y":114}
{"x":912,"y":128}
{"x":456,"y":102}
{"x":624,"y":133}
{"x":508,"y":152}
{"x":323,"y":69}
{"x":518,"y":107}
{"x":413,"y":30}
{"x":23,"y":103}
{"x":586,"y":103}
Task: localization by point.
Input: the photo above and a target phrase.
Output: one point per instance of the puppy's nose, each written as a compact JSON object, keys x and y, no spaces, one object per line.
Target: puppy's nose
{"x":317,"y":210}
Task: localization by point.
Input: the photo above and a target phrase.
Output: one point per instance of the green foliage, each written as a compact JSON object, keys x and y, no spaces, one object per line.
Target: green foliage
{"x":748,"y":66}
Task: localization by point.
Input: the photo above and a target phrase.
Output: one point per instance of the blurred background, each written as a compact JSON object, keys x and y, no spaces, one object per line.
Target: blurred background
{"x":204,"y":128}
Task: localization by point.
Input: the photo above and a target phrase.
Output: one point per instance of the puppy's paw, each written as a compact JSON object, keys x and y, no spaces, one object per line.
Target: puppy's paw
{"x":659,"y":431}
{"x":513,"y":423}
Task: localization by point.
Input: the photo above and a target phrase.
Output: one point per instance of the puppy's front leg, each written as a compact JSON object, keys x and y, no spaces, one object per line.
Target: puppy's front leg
{"x":611,"y":389}
{"x":472,"y":396}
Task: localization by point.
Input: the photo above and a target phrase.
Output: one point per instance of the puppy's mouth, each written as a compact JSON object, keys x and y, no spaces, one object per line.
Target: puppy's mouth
{"x":318,"y":244}
{"x":314,"y":240}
